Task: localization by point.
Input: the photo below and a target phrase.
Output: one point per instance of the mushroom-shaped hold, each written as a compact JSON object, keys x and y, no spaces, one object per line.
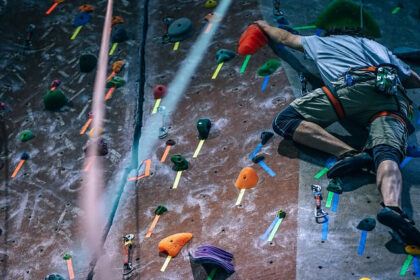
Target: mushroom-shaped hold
{"x":159,"y":91}
{"x":87,"y":62}
{"x":224,"y":55}
{"x":86,"y":8}
{"x":117,"y":66}
{"x":247,"y":179}
{"x":81,"y":19}
{"x":265,"y":136}
{"x":119,"y":34}
{"x":257,"y":159}
{"x":55,"y":83}
{"x":180,"y":29}
{"x":160,"y":210}
{"x":54,"y":277}
{"x":269,"y":67}
{"x":252,"y":40}
{"x":170,"y":142}
{"x":26,"y":135}
{"x":203,"y":127}
{"x":24,"y":156}
{"x":54,"y":100}
{"x":115,"y":82}
{"x":210,"y":4}
{"x":412,"y":250}
{"x":335,"y":186}
{"x":212,"y":255}
{"x":173,"y":244}
{"x":180,"y":163}
{"x":116,"y":20}
{"x":367,"y":224}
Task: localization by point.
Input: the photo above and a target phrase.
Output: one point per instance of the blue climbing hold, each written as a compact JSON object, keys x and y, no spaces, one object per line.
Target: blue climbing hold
{"x":81,"y":19}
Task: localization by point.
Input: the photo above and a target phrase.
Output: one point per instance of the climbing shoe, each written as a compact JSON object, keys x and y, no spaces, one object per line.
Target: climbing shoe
{"x":398,"y":221}
{"x":350,"y":162}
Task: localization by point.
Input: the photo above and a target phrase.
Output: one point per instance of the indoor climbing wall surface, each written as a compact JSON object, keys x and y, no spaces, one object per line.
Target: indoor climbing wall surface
{"x":204,"y":201}
{"x":41,"y":222}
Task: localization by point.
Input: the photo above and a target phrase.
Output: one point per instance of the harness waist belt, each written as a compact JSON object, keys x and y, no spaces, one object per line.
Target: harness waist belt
{"x":387,"y":114}
{"x":335,"y":102}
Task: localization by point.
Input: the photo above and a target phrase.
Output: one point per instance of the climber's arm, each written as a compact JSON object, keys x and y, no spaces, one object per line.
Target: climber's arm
{"x":281,"y":36}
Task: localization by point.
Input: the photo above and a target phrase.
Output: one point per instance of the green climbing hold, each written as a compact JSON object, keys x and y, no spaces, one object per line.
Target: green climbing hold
{"x":180,"y":163}
{"x":203,"y":126}
{"x":180,"y":29}
{"x":346,"y":14}
{"x":335,"y":186}
{"x":54,"y":100}
{"x":26,"y":135}
{"x":281,"y":214}
{"x":210,"y":4}
{"x":66,"y":257}
{"x":160,"y":210}
{"x":115,"y":82}
{"x":224,"y":55}
{"x":87,"y":62}
{"x":367,"y":224}
{"x":54,"y":277}
{"x":269,"y":67}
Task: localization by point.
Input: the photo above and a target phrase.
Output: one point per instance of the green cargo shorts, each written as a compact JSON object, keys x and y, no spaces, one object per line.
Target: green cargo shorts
{"x":359,"y":102}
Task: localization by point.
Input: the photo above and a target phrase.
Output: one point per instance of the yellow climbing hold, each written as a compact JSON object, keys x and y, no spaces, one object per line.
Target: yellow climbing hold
{"x":412,"y":250}
{"x":211,"y":4}
{"x":364,"y":278}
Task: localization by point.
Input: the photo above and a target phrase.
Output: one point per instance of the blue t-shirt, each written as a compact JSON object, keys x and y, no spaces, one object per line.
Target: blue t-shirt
{"x":334,"y":55}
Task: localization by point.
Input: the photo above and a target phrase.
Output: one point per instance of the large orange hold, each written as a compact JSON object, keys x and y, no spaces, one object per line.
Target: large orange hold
{"x":174,"y":243}
{"x":252,"y":40}
{"x":247,"y":179}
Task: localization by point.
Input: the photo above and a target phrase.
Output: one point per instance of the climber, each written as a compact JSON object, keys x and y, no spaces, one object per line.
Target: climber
{"x":350,"y":67}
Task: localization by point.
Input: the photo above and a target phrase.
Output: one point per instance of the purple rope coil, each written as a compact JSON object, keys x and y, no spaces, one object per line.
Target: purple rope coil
{"x":214,"y":255}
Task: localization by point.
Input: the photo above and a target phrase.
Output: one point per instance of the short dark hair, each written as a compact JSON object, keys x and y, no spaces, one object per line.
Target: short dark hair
{"x":351,"y":31}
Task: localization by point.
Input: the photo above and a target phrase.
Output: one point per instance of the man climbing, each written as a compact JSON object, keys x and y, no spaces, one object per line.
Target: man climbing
{"x":358,"y":76}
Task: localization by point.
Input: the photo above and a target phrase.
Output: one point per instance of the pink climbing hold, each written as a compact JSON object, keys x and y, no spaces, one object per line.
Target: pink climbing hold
{"x":55,"y":83}
{"x":159,"y":91}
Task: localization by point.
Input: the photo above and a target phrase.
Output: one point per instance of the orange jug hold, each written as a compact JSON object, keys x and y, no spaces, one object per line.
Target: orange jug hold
{"x":247,"y":179}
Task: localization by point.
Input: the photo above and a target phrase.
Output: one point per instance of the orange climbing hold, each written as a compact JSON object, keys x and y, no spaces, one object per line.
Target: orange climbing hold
{"x":247,"y":179}
{"x":174,"y":243}
{"x":86,"y":8}
{"x":252,"y":40}
{"x":117,"y":66}
{"x":116,"y":19}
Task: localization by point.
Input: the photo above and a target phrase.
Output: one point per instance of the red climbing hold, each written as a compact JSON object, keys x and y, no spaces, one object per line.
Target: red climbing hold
{"x":159,"y":91}
{"x":251,"y":40}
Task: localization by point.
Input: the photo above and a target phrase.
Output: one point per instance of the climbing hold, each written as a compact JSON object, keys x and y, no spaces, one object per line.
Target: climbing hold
{"x":102,"y":148}
{"x":58,"y":1}
{"x":252,"y":40}
{"x":170,"y":142}
{"x":115,"y":82}
{"x":24,"y":156}
{"x":269,"y":67}
{"x":210,"y":4}
{"x":203,"y":126}
{"x":55,"y":83}
{"x":367,"y":224}
{"x":180,"y":30}
{"x":335,"y":186}
{"x":224,"y":55}
{"x":180,"y":163}
{"x":87,"y":62}
{"x":54,"y":100}
{"x":160,"y":210}
{"x":66,"y":257}
{"x":214,"y":256}
{"x":344,"y":13}
{"x":54,"y":277}
{"x":257,"y":159}
{"x":119,"y":34}
{"x":247,"y":179}
{"x":117,"y":66}
{"x":159,"y":91}
{"x":281,"y":214}
{"x":86,"y":8}
{"x":265,"y":136}
{"x":26,"y":135}
{"x":90,"y":115}
{"x":81,"y":19}
{"x":173,"y":244}
{"x":412,"y":250}
{"x":116,"y":20}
